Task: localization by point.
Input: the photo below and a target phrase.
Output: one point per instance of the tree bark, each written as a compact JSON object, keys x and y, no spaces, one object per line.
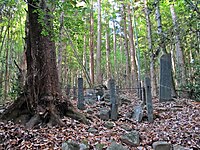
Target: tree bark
{"x":60,"y":48}
{"x":179,"y":53}
{"x":99,"y":78}
{"x":152,"y":61}
{"x":134,"y":75}
{"x":42,"y":100}
{"x":108,"y":70}
{"x":126,"y":48}
{"x":91,"y":44}
{"x":114,"y":49}
{"x":159,"y":28}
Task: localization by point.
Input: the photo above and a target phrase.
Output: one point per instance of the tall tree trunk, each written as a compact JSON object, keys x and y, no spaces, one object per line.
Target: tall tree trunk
{"x":127,"y":79}
{"x":42,"y":100}
{"x":108,"y":67}
{"x":99,"y":78}
{"x":121,"y":65}
{"x":179,"y":53}
{"x":66,"y":76}
{"x":92,"y":44}
{"x":84,"y":57}
{"x":60,"y":48}
{"x":114,"y":49}
{"x":159,"y":28}
{"x":150,"y":48}
{"x":6,"y":76}
{"x":134,"y":75}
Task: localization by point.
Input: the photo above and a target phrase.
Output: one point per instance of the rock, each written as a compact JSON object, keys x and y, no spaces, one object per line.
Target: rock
{"x":141,"y":148}
{"x":104,"y":114}
{"x":115,"y":146}
{"x":131,"y":138}
{"x":109,"y":125}
{"x":92,"y":130}
{"x":90,"y":100}
{"x":89,"y":111}
{"x":124,"y":99}
{"x":83,"y":147}
{"x":138,"y":113}
{"x":99,"y":146}
{"x":129,"y":114}
{"x":179,"y":147}
{"x":70,"y":145}
{"x":1,"y":111}
{"x":162,"y":145}
{"x":126,"y":127}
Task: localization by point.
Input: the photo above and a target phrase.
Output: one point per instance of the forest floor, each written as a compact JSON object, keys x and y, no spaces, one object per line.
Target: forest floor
{"x":176,"y":122}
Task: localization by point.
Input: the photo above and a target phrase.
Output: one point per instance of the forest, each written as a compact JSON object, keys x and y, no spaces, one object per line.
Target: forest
{"x":100,"y":74}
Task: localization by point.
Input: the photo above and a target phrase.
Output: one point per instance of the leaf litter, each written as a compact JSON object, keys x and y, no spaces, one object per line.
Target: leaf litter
{"x":176,"y":122}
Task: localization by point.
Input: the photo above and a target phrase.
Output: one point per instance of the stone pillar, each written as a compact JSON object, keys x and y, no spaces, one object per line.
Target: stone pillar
{"x":149,"y":99}
{"x":68,"y":87}
{"x":74,"y":92}
{"x":114,"y":105}
{"x":80,"y":103}
{"x":117,"y":96}
{"x":165,"y":92}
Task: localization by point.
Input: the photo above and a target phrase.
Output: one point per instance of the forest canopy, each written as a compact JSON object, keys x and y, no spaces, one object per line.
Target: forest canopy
{"x":75,"y":31}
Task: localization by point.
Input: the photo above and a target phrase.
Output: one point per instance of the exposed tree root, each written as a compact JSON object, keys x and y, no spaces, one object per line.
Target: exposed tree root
{"x":49,"y":114}
{"x":33,"y":121}
{"x":72,"y":113}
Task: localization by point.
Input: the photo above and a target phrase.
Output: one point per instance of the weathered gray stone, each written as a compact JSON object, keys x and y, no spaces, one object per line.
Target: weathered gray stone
{"x":90,"y":97}
{"x":83,"y":147}
{"x":162,"y":145}
{"x":1,"y":111}
{"x":129,"y":114}
{"x":109,"y":125}
{"x":143,"y":93}
{"x":131,"y":138}
{"x":74,"y":92}
{"x":149,"y":103}
{"x":138,"y":113}
{"x":113,"y":99}
{"x":124,"y":99}
{"x":119,"y":102}
{"x":104,"y":114}
{"x":70,"y":145}
{"x":141,"y":148}
{"x":126,"y":127}
{"x":179,"y":147}
{"x":92,"y":130}
{"x":115,"y":146}
{"x":165,"y":92}
{"x":89,"y":100}
{"x":89,"y":111}
{"x":67,"y":89}
{"x":99,"y":91}
{"x":80,"y":103}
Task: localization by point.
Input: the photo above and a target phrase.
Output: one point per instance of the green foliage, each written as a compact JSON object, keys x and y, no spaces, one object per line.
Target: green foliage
{"x":193,"y":83}
{"x":76,"y":21}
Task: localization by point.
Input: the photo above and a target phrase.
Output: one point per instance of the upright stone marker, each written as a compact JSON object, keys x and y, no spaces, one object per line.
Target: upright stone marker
{"x":74,"y":91}
{"x":68,"y":87}
{"x":143,"y":93}
{"x":117,"y":96}
{"x":113,"y":99}
{"x":149,"y":99}
{"x":80,"y":104}
{"x":165,"y":92}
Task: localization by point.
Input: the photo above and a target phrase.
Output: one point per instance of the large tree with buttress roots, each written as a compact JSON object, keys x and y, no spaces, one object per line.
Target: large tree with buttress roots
{"x":41,"y":101}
